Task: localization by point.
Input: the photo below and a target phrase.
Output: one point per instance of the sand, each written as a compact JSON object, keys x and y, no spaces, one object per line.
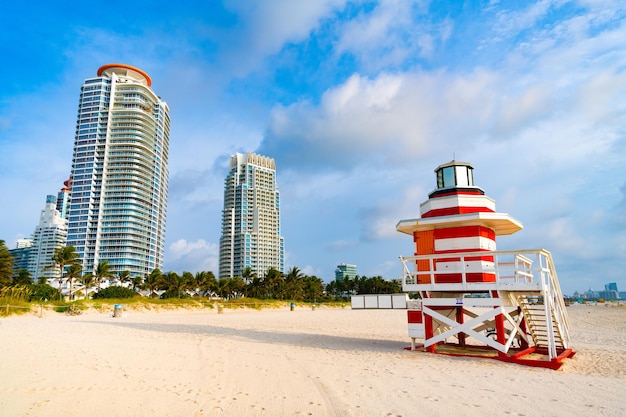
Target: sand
{"x":327,"y":362}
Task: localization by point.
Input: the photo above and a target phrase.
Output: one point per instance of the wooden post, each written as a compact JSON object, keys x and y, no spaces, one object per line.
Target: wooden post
{"x":500,"y":332}
{"x":522,"y":326}
{"x":460,"y":320}
{"x":428,"y":332}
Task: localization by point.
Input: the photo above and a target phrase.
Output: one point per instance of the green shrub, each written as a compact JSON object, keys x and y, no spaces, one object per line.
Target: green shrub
{"x":42,"y":292}
{"x":115,"y":291}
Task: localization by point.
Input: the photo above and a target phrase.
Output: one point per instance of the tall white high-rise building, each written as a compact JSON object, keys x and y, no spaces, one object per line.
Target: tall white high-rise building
{"x":49,"y":235}
{"x":119,"y":179}
{"x":251,"y":218}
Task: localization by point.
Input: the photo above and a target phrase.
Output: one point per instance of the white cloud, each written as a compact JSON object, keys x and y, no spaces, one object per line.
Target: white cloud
{"x":193,"y":256}
{"x":379,"y":222}
{"x":265,"y":27}
{"x":511,"y":23}
{"x":392,"y":33}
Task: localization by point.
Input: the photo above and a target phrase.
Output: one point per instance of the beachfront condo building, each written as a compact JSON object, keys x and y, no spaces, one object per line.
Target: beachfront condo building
{"x":49,"y":235}
{"x":251,"y":218}
{"x":119,"y":178}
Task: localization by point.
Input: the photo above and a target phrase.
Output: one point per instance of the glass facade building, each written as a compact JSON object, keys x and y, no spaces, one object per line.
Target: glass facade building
{"x":119,"y":179}
{"x":344,"y":271}
{"x":251,"y":218}
{"x":21,"y":255}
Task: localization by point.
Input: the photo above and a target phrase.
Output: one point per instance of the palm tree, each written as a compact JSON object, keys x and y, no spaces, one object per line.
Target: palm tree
{"x":153,"y":281}
{"x":6,"y":265}
{"x":73,"y":272}
{"x":136,"y":281}
{"x":206,"y":282}
{"x":190,"y":282}
{"x":87,"y":281}
{"x":293,"y":283}
{"x":103,"y":270}
{"x":124,"y":276}
{"x":175,"y":282}
{"x":223,"y":287}
{"x":237,"y":287}
{"x":248,"y":275}
{"x":273,"y":283}
{"x":255,"y":288}
{"x":63,"y":257}
{"x":22,"y":278}
{"x":313,"y":288}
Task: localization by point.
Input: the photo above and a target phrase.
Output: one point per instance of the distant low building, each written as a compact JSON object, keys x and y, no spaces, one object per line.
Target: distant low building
{"x":610,"y":292}
{"x":590,"y":294}
{"x":344,"y":271}
{"x":21,"y":255}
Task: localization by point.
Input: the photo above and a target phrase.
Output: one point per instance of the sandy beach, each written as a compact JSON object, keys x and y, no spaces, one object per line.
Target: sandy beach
{"x":327,"y":362}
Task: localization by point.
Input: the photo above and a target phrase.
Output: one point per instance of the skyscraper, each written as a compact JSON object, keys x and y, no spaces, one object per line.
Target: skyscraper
{"x":49,"y":235}
{"x":119,"y":179}
{"x":251,"y":218}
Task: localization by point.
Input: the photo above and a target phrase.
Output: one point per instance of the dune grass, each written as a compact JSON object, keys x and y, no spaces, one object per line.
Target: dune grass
{"x":11,"y":306}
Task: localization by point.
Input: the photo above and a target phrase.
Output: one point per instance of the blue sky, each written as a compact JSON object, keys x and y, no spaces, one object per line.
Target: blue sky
{"x":358,"y":102}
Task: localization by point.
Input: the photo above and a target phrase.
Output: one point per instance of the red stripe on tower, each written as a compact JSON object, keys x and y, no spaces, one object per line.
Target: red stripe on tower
{"x":454,"y":210}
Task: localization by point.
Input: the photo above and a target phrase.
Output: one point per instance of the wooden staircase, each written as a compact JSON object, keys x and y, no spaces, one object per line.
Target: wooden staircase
{"x":542,"y":322}
{"x":544,"y":310}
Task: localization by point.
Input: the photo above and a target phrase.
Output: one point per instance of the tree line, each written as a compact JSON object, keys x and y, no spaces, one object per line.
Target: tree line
{"x":292,"y":285}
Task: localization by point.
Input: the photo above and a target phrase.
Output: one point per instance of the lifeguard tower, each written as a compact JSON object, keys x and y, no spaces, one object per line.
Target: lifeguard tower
{"x":475,"y":300}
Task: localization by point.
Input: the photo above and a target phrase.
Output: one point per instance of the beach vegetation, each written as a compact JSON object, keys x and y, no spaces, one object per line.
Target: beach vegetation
{"x":362,"y":285}
{"x":124,"y":276}
{"x":153,"y":282}
{"x":269,"y":289}
{"x":63,"y":257}
{"x":73,"y":273}
{"x":174,"y":294}
{"x":175,"y":284}
{"x":43,"y":292}
{"x":115,"y":291}
{"x":102,"y":271}
{"x":87,"y":280}
{"x":6,"y":265}
{"x":16,"y":292}
{"x":22,"y":277}
{"x":14,"y":299}
{"x":205,"y":283}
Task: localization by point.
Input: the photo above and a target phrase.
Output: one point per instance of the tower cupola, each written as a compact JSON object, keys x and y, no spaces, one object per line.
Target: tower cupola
{"x":455,"y":177}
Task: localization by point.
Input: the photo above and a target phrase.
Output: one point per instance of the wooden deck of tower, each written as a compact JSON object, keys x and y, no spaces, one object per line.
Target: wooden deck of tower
{"x":475,"y":300}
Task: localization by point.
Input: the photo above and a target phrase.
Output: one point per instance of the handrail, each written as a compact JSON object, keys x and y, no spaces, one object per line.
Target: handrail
{"x":508,"y":267}
{"x":557,"y":296}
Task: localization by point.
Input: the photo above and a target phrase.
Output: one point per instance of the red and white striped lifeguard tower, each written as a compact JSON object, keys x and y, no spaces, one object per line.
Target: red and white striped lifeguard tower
{"x":475,"y":300}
